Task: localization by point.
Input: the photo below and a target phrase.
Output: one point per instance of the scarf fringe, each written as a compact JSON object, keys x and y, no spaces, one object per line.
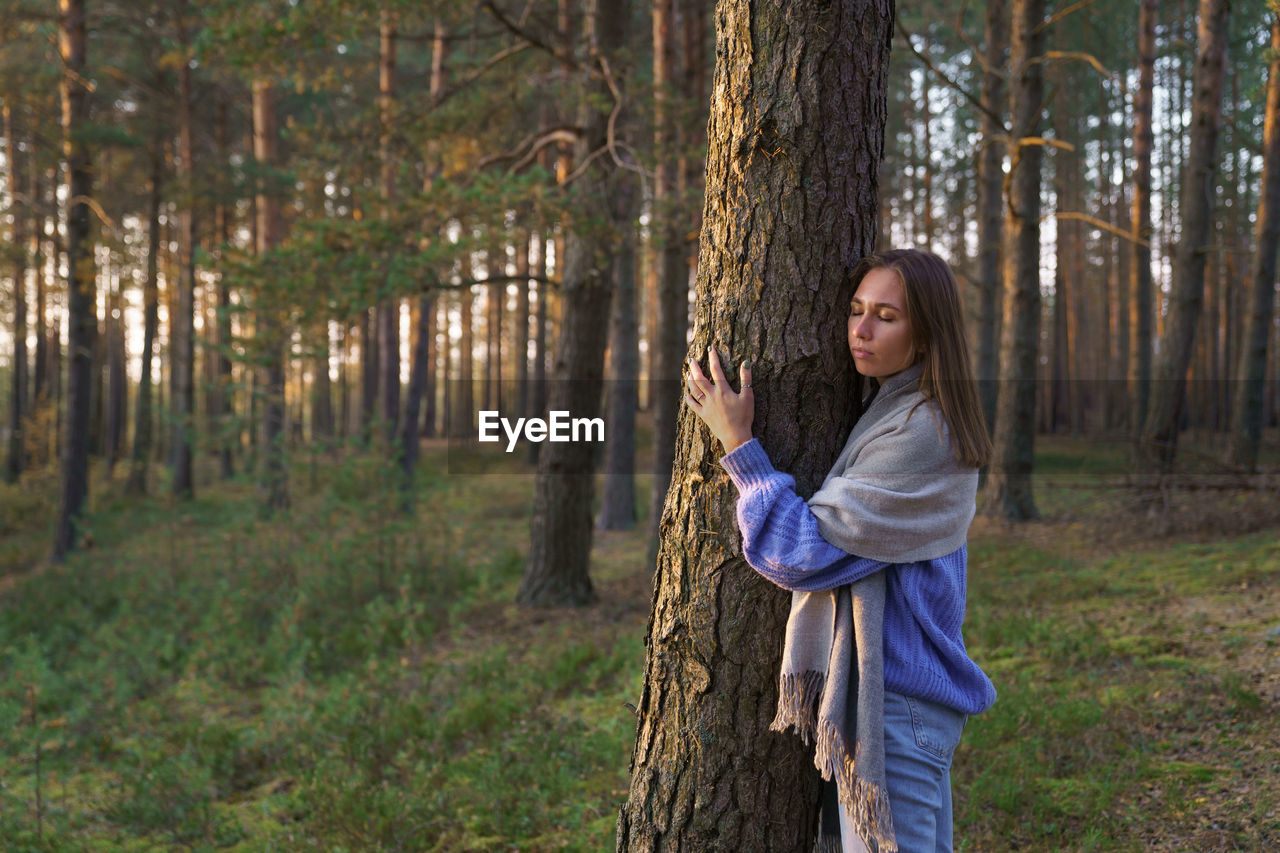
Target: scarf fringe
{"x":828,"y":844}
{"x":866,"y":803}
{"x":798,"y":697}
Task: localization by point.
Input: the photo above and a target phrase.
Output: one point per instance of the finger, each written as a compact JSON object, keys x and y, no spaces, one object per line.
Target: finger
{"x":692,"y":400}
{"x":745,"y":375}
{"x":717,"y":373}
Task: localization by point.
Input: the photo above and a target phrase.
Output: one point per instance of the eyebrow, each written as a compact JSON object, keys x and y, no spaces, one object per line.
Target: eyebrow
{"x":874,"y":305}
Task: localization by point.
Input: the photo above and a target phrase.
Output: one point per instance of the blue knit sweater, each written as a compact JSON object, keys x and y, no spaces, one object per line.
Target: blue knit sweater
{"x":924,"y":653}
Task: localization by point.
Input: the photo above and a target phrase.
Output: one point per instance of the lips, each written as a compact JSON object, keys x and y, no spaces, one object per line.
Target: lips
{"x":861,"y":353}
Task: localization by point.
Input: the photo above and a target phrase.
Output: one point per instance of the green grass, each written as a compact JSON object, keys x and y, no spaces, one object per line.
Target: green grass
{"x":345,"y":677}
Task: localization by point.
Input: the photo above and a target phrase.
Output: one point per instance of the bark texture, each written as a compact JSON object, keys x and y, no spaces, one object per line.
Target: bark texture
{"x":794,"y":144}
{"x":1008,"y":486}
{"x":182,"y":335}
{"x":18,"y":398}
{"x":1159,"y":441}
{"x":1246,"y":410}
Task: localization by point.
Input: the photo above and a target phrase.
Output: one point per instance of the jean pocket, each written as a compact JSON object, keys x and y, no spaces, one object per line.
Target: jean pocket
{"x":937,"y":727}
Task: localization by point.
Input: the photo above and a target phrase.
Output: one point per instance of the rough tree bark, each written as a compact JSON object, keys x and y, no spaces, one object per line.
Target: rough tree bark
{"x":1007,"y":491}
{"x":1246,"y":410}
{"x":794,"y":144}
{"x":81,"y":287}
{"x":560,"y":533}
{"x":1159,"y":440}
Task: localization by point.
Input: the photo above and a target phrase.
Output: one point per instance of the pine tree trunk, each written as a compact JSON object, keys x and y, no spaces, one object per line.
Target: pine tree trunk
{"x":81,"y":287}
{"x":463,"y":402}
{"x":618,"y":499}
{"x":419,"y":374}
{"x":556,"y":572}
{"x":265,"y":141}
{"x":670,"y":335}
{"x":137,"y":482}
{"x":1140,"y":284}
{"x":1186,"y":298}
{"x":520,"y":349}
{"x":1008,"y":492}
{"x":368,"y":374}
{"x":388,"y":312}
{"x":182,"y":324}
{"x":991,"y":207}
{"x":18,"y":407}
{"x":1247,"y":409}
{"x":791,"y":141}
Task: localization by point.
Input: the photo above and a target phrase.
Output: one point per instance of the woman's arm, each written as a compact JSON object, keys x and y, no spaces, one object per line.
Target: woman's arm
{"x":780,"y":536}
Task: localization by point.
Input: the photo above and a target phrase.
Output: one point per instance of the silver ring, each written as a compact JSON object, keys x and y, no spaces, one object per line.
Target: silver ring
{"x":748,"y":385}
{"x":701,"y":398}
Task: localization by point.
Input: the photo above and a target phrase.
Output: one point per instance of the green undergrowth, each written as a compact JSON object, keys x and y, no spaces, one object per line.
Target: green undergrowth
{"x":346,"y":677}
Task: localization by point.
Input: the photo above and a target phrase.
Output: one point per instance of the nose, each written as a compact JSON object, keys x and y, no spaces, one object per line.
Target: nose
{"x":860,"y":328}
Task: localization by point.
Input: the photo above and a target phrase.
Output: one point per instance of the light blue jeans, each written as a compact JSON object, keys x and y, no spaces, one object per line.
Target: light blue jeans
{"x":919,"y":739}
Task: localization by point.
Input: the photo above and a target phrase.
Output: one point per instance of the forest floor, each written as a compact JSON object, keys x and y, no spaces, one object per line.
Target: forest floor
{"x":346,"y":677}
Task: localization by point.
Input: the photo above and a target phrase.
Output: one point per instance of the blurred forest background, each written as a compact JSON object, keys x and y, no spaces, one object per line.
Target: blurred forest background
{"x":265,"y":262}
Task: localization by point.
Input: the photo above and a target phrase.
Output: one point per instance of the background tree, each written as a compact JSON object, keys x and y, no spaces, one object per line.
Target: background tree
{"x":1008,"y":485}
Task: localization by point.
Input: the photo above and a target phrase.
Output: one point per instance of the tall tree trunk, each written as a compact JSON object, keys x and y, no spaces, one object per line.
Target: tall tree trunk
{"x":18,"y":406}
{"x":137,"y":482}
{"x":789,"y":141}
{"x":182,"y":325}
{"x":275,"y":482}
{"x":991,"y":207}
{"x":419,"y":375}
{"x":463,"y":402}
{"x":117,"y":380}
{"x":1140,"y":284}
{"x":81,"y":288}
{"x":40,"y":373}
{"x":670,"y":335}
{"x":1250,"y":372}
{"x":389,"y":308}
{"x":520,"y":348}
{"x":618,"y":499}
{"x":1008,"y":490}
{"x":223,"y":400}
{"x":368,"y":374}
{"x":1186,"y":298}
{"x":556,"y":572}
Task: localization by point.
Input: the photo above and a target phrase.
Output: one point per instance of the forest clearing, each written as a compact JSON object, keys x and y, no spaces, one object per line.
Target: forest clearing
{"x":348,"y":679}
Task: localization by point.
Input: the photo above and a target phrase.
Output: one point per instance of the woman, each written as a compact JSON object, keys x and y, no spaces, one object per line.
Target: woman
{"x":874,"y":664}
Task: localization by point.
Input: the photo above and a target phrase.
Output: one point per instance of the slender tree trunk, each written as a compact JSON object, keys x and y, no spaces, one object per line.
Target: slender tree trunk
{"x":1247,"y":410}
{"x":117,"y":380}
{"x":389,"y":308}
{"x":556,"y":572}
{"x":275,"y":481}
{"x":420,"y":372}
{"x":182,"y":324}
{"x":40,"y":373}
{"x":670,"y":336}
{"x":1186,"y":298}
{"x":991,"y":207}
{"x":520,"y":352}
{"x":137,"y":482}
{"x":618,"y":500}
{"x":1008,"y":490}
{"x":368,"y":374}
{"x":1140,"y":284}
{"x":18,"y":406}
{"x":790,"y":140}
{"x":81,"y":288}
{"x":463,"y":403}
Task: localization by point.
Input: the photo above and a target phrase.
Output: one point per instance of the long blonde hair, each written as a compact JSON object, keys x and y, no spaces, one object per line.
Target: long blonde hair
{"x":937,"y":326}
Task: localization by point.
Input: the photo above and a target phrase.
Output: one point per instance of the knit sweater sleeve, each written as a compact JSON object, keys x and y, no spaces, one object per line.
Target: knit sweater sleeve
{"x":780,"y":536}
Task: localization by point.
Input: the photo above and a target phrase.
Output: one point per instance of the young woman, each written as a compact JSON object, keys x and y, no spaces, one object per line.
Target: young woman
{"x":874,"y":664}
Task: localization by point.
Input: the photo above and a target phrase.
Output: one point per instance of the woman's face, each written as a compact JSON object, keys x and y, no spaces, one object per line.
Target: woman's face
{"x":879,"y":329}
